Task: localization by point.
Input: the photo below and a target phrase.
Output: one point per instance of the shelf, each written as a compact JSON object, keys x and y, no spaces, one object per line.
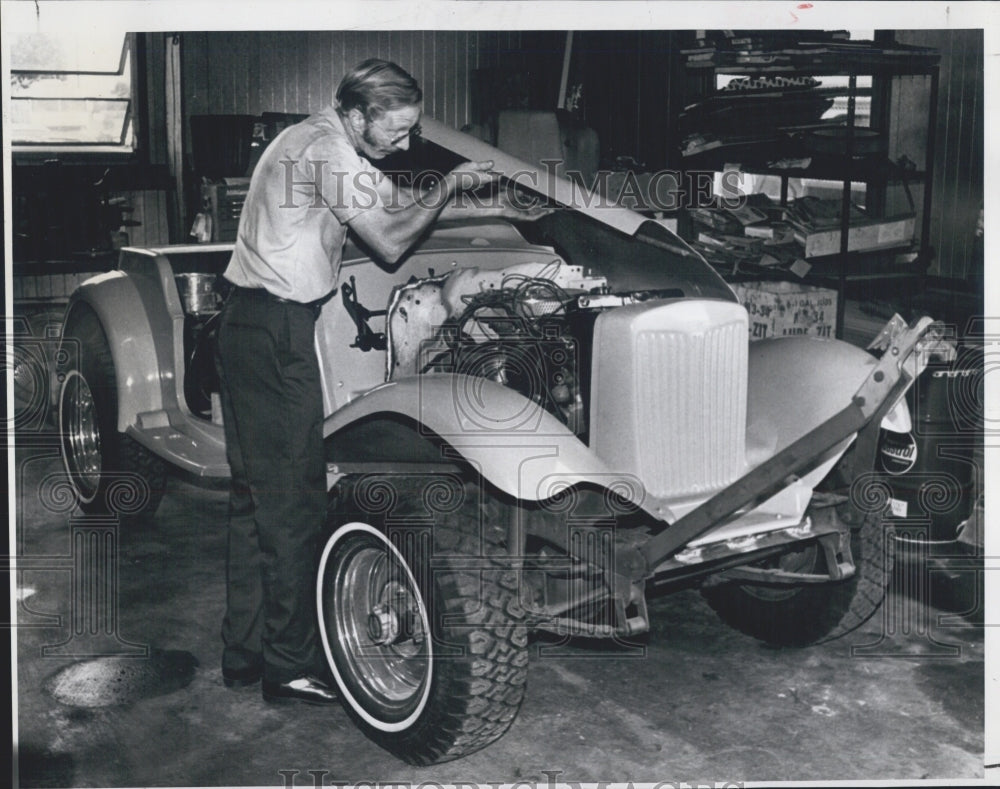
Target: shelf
{"x":748,"y":96}
{"x":106,"y":261}
{"x":857,"y":69}
{"x":825,"y":272}
{"x":821,"y":167}
{"x":816,"y":59}
{"x":734,"y":127}
{"x":865,"y":266}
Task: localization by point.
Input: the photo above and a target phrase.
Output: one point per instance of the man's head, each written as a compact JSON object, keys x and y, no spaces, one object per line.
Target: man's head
{"x":379,"y":103}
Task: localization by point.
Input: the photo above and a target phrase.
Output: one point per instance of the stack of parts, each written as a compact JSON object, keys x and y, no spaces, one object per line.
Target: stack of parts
{"x":757,"y":235}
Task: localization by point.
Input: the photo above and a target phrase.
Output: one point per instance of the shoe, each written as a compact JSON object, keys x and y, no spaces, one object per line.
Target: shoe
{"x":241,"y":677}
{"x":307,"y":689}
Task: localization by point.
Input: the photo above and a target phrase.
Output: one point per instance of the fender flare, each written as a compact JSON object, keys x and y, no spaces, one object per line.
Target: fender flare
{"x":512,"y":441}
{"x":133,"y":314}
{"x":796,"y":383}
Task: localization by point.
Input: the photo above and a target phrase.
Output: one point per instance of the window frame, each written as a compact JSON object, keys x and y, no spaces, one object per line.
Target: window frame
{"x":97,"y":153}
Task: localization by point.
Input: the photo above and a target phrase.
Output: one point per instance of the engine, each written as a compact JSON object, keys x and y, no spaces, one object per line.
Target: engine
{"x":527,"y":328}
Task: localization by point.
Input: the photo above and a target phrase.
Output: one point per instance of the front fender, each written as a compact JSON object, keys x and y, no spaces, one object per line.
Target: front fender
{"x":518,"y":446}
{"x":796,"y":383}
{"x":132,"y":309}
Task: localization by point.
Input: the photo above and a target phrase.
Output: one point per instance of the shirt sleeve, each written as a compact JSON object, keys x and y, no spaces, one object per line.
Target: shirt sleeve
{"x":347,"y":183}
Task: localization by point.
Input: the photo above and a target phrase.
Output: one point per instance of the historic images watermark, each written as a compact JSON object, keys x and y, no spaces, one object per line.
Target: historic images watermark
{"x":553,"y":780}
{"x":40,"y":360}
{"x":930,"y":484}
{"x":314,"y":184}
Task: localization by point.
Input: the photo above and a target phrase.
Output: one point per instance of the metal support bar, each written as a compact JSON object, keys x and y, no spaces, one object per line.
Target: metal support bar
{"x":761,"y":575}
{"x":766,"y":476}
{"x":928,"y":181}
{"x":845,"y":209}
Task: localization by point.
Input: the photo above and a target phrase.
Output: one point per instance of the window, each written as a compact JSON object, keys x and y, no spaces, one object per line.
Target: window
{"x":71,"y":92}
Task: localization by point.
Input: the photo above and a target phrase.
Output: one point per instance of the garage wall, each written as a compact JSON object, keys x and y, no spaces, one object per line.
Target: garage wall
{"x":633,"y":85}
{"x":253,"y":72}
{"x":958,"y":167}
{"x":461,"y":73}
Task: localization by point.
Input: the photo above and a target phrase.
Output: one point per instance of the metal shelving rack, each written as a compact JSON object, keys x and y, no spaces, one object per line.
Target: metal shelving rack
{"x":883,"y":60}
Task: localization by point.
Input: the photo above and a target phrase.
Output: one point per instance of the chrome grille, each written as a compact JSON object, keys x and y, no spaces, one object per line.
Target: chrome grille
{"x":690,"y":391}
{"x":670,"y":394}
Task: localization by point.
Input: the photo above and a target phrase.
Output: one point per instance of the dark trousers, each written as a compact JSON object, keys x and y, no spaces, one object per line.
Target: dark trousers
{"x":272,"y":411}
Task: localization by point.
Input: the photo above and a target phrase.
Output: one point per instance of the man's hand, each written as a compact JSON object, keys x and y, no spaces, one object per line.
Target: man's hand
{"x":521,"y":207}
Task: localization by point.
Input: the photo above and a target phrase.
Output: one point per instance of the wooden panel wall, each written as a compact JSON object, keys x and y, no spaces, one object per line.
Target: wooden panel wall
{"x":149,"y":208}
{"x":958,"y":167}
{"x":254,"y":72}
{"x":629,"y":91}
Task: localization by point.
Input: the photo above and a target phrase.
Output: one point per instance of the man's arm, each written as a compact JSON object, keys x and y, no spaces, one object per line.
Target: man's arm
{"x":499,"y":204}
{"x":391,"y":231}
{"x":467,"y":206}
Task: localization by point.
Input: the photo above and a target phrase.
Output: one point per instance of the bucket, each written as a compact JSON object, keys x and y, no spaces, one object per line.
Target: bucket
{"x":931,"y":470}
{"x":198,"y":293}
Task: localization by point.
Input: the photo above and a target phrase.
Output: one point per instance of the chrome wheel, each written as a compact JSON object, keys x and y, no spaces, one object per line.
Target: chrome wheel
{"x":420,"y":613}
{"x":110,"y":472}
{"x":81,"y":436}
{"x":374,"y":627}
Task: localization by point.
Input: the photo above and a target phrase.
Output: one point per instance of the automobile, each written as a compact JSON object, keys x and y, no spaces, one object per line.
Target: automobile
{"x":529,"y":427}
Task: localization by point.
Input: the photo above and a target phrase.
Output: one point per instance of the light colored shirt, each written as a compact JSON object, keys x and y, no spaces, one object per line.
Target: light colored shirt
{"x":309,"y":183}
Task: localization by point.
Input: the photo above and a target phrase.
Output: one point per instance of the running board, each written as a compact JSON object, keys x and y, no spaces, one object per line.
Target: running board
{"x":172,"y":436}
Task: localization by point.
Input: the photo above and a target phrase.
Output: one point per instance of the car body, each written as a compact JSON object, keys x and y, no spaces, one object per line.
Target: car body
{"x":583,"y":387}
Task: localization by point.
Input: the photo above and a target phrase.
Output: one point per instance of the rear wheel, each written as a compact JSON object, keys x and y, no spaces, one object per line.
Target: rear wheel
{"x":811,"y":613}
{"x":110,"y":471}
{"x":419,"y":615}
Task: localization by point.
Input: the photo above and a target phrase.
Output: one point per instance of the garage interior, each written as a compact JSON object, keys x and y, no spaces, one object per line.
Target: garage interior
{"x":902,"y":698}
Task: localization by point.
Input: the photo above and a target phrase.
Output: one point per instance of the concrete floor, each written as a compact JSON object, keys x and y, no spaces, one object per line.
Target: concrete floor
{"x":696,"y":702}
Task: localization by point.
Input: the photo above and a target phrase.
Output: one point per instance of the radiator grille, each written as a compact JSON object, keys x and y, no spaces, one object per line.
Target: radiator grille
{"x":690,"y":408}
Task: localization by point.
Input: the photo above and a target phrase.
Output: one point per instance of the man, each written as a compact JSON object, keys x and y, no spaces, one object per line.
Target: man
{"x":313,"y":182}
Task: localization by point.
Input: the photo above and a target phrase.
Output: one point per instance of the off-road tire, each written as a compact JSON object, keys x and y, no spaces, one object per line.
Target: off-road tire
{"x":132,"y":479}
{"x":469,"y":588}
{"x":799,"y":616}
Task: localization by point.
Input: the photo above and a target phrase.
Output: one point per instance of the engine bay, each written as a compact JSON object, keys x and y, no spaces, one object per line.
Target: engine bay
{"x":528,"y":327}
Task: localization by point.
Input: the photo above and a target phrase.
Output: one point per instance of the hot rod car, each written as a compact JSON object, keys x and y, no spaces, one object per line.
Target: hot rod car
{"x":529,"y":428}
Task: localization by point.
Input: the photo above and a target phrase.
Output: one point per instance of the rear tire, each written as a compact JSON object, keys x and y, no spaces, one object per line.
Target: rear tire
{"x":798,"y":616}
{"x":419,"y":615}
{"x":110,"y":472}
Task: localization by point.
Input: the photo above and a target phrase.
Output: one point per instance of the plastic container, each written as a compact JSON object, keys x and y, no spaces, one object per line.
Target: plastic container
{"x":931,"y":471}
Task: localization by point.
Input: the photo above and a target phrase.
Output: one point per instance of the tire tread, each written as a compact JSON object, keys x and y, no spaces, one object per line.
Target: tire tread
{"x":475,"y":695}
{"x":817,"y":613}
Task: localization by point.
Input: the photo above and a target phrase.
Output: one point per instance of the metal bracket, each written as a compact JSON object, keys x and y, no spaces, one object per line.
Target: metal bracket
{"x":833,"y":544}
{"x":640,"y":622}
{"x":366,"y":339}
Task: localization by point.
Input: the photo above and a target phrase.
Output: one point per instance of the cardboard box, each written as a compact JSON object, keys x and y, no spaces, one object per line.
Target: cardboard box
{"x":876,"y":234}
{"x":782,"y":309}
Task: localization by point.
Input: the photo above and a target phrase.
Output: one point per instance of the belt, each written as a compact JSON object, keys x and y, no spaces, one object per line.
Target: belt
{"x":263,"y":294}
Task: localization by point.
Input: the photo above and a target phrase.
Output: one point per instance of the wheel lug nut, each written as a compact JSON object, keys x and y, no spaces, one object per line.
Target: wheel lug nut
{"x":383,"y":626}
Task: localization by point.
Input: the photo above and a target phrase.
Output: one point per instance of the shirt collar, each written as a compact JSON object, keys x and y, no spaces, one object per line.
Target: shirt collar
{"x":330,"y":112}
